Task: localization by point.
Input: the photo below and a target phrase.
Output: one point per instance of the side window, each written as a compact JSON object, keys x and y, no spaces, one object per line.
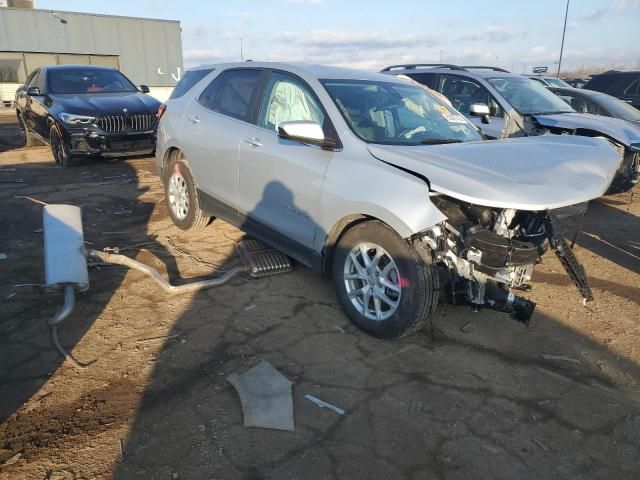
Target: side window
{"x":38,"y":81}
{"x":30,"y":79}
{"x":538,"y":80}
{"x":288,"y":99}
{"x":463,"y":92}
{"x":633,"y":90}
{"x":428,"y":79}
{"x":231,"y":93}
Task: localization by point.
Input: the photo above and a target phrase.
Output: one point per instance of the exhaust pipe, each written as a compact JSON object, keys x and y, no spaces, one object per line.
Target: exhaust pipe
{"x":65,"y":263}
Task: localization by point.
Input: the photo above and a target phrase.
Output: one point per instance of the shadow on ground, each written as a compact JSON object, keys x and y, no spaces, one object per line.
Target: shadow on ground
{"x":488,"y":398}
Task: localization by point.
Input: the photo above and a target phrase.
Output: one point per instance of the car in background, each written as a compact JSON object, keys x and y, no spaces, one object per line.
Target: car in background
{"x":86,"y":110}
{"x":375,"y":182}
{"x":548,"y":81}
{"x":506,"y":105}
{"x":623,"y":85}
{"x":576,"y":82}
{"x":597,"y":103}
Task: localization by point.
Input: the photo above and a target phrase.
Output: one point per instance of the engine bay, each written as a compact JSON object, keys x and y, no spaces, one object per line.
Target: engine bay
{"x":484,"y":253}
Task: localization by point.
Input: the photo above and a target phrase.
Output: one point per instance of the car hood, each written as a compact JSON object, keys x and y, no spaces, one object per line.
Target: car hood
{"x":531,"y":173}
{"x":623,"y":131}
{"x":106,"y":103}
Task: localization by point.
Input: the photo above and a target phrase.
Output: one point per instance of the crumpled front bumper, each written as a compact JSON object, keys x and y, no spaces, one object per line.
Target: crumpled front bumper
{"x":95,"y":142}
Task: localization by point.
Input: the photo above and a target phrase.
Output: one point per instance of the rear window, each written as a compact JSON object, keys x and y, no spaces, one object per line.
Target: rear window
{"x":425,"y":79}
{"x":190,"y":78}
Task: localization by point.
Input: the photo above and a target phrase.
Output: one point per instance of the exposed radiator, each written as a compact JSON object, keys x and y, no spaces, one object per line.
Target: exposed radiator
{"x":135,"y":122}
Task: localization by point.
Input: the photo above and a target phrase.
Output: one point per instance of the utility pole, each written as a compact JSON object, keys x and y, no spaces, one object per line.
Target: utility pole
{"x":241,"y":53}
{"x":564,"y":30}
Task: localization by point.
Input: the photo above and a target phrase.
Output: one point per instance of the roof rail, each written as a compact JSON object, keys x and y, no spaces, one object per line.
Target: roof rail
{"x":483,"y":67}
{"x":411,"y":66}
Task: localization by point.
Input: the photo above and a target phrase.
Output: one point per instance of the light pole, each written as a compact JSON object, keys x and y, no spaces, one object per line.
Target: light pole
{"x":440,"y":56}
{"x":564,"y":30}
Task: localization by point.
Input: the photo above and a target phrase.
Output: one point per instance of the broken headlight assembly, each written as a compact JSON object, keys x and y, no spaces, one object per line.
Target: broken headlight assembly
{"x":485,"y":254}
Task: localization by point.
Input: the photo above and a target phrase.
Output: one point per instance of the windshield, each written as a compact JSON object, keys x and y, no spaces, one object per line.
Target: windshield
{"x":391,"y":113}
{"x":557,"y":82}
{"x":529,"y":97}
{"x":618,"y":108}
{"x":88,"y":80}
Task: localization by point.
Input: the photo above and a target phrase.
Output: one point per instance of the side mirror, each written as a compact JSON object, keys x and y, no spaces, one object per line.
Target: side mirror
{"x":33,"y":91}
{"x":144,"y":89}
{"x":303,"y":131}
{"x":480,"y":110}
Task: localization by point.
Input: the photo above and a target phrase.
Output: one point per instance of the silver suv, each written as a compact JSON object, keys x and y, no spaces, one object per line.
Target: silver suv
{"x":506,"y":105}
{"x":373,"y":181}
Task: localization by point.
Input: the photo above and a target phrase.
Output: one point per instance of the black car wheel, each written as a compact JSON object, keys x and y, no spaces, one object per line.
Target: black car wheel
{"x":58,"y":148}
{"x":182,"y":195}
{"x":28,"y":139}
{"x":385,"y":284}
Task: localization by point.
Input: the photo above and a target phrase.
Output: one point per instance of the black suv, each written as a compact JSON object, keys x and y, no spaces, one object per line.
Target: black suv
{"x":83,"y":110}
{"x":624,"y":85}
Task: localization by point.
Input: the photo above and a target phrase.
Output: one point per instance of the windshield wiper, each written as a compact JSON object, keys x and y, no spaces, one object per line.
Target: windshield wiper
{"x":439,"y":141}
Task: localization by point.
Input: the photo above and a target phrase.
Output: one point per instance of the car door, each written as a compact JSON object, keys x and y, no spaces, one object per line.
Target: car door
{"x":464,"y":92}
{"x":34,"y":104}
{"x":280,"y":179}
{"x":211,"y":128}
{"x":39,"y":107}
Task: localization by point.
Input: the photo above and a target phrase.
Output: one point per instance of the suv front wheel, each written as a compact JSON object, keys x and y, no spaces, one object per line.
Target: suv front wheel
{"x":384,"y":285}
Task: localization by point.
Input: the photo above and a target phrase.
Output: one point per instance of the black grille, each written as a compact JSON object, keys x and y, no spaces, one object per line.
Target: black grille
{"x":135,"y":122}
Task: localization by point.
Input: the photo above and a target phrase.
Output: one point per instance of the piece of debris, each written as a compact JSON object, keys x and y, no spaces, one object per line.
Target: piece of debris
{"x":161,"y":337}
{"x":323,"y":404}
{"x":339,"y":328}
{"x":266,"y":397}
{"x":10,"y":296}
{"x":250,"y":307}
{"x":13,"y":459}
{"x":540,"y":444}
{"x":564,"y":358}
{"x":466,"y":328}
{"x":3,"y":256}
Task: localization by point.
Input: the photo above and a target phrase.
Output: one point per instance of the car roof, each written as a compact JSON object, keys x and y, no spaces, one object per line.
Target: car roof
{"x":320,"y":72}
{"x":73,"y":67}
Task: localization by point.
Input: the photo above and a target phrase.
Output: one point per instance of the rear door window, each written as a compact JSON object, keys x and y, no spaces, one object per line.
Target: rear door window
{"x":232,"y":93}
{"x":189,"y":79}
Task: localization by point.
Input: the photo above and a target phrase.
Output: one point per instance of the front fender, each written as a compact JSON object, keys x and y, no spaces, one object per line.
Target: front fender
{"x":374,"y":189}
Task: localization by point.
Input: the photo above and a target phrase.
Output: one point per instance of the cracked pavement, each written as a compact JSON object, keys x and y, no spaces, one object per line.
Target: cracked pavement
{"x":487,"y":398}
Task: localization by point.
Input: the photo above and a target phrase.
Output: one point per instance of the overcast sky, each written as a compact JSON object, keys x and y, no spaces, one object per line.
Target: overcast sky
{"x":371,"y":35}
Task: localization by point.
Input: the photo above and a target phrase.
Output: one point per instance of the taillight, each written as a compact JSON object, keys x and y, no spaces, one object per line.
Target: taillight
{"x":160,"y":111}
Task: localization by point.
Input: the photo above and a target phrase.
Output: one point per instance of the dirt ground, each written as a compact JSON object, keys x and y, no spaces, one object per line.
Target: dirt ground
{"x":488,"y":398}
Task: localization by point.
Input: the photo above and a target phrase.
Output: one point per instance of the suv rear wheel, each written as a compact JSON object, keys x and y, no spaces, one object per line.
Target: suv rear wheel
{"x":384,"y":285}
{"x":182,"y":196}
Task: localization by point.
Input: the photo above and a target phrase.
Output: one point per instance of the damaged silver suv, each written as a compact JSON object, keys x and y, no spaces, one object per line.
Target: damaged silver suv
{"x":374,"y":182}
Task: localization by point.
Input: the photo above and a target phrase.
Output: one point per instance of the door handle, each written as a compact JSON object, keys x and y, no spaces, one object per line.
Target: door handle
{"x":253,"y":141}
{"x":193,"y":119}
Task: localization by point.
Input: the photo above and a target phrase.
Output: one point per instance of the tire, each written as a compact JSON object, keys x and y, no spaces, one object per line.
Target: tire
{"x":178,"y":180}
{"x":59,"y":149}
{"x":27,"y":137}
{"x":410,"y":271}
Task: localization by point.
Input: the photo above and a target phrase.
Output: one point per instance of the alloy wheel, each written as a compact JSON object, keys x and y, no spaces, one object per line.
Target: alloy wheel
{"x":372,"y":281}
{"x":178,"y":196}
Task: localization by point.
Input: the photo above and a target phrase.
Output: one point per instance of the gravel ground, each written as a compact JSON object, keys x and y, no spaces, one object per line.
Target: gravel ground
{"x":487,"y":398}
